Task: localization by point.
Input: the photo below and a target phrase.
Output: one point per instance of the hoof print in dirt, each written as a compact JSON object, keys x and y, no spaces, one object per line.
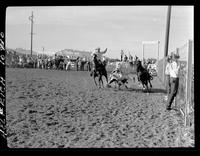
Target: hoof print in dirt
{"x":52,"y":123}
{"x":73,"y":112}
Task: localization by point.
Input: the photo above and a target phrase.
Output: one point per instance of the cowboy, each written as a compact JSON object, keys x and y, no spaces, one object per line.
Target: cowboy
{"x":174,"y":79}
{"x":116,"y":73}
{"x":125,"y":58}
{"x":122,"y":55}
{"x":130,"y":57}
{"x":167,"y":74}
{"x":98,"y":54}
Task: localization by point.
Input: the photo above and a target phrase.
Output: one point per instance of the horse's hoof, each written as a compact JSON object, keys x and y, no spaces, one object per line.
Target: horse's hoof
{"x":108,"y":86}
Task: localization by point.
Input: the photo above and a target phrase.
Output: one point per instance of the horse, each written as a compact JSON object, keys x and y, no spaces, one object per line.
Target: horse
{"x":143,"y":75}
{"x":59,"y":61}
{"x":99,"y":71}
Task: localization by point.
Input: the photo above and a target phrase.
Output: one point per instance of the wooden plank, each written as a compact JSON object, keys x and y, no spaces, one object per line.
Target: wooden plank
{"x":188,"y":82}
{"x":176,"y":105}
{"x":142,"y":54}
{"x":150,"y":42}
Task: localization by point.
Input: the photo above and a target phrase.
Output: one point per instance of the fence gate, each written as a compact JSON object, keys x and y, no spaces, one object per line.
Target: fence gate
{"x":185,"y":96}
{"x":157,"y":43}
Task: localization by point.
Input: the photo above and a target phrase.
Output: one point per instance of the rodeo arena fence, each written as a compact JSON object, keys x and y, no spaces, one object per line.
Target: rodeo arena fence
{"x":185,"y":97}
{"x":42,"y":61}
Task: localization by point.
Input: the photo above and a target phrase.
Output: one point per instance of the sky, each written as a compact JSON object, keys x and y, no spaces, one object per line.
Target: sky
{"x":88,"y":27}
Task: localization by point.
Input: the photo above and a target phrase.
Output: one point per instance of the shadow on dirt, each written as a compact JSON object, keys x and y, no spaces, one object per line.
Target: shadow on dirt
{"x":158,"y":90}
{"x":153,"y":90}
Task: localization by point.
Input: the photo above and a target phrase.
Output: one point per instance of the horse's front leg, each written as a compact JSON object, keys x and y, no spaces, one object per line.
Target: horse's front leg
{"x":106,"y":76}
{"x":95,"y":81}
{"x":143,"y":86}
{"x":150,"y":83}
{"x":100,"y":81}
{"x":147,"y":88}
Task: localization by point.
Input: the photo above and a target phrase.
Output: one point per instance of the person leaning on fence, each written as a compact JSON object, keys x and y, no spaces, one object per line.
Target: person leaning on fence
{"x":174,"y":80}
{"x":168,"y":75}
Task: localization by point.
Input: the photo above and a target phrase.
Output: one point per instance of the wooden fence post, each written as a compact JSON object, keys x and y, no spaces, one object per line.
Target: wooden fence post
{"x":175,"y":100}
{"x":188,"y":82}
{"x":158,"y":54}
{"x":142,"y":54}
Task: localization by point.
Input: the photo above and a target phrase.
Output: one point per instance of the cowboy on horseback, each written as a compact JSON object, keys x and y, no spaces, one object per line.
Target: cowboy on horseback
{"x":143,"y":75}
{"x":99,"y":68}
{"x":97,"y":55}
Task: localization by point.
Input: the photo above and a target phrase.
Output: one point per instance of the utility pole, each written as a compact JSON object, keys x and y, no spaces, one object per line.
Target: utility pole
{"x":31,"y":19}
{"x":158,"y":54}
{"x":166,"y":41}
{"x":42,"y":52}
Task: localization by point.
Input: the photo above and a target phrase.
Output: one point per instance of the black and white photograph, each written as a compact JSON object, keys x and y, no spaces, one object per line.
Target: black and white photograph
{"x":99,"y":76}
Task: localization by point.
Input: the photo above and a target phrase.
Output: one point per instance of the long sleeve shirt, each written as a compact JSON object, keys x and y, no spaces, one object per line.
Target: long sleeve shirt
{"x":167,"y":69}
{"x":174,"y":69}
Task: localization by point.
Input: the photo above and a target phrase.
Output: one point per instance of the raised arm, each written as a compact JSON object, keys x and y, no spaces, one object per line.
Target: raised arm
{"x":103,"y":52}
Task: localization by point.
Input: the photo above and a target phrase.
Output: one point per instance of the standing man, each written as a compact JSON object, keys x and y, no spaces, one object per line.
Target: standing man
{"x":130,"y":57}
{"x":125,"y":58}
{"x":167,"y":74}
{"x":174,"y":79}
{"x":122,"y":55}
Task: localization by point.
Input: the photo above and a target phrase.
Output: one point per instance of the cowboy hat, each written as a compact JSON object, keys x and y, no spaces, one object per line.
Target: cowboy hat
{"x":169,"y":57}
{"x":175,"y":56}
{"x":97,"y":48}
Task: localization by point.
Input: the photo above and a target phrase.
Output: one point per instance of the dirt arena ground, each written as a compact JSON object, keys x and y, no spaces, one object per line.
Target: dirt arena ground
{"x":61,"y":109}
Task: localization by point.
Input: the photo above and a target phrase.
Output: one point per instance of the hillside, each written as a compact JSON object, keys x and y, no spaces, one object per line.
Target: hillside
{"x":74,"y":53}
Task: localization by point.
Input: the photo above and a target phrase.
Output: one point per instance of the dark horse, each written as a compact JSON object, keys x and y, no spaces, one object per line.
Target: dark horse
{"x":143,"y":75}
{"x":59,"y":61}
{"x":98,"y":71}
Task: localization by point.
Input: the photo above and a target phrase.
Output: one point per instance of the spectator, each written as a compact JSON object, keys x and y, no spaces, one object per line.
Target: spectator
{"x":130,"y":58}
{"x":174,"y":79}
{"x":122,"y":55}
{"x":125,"y":58}
{"x":168,"y":76}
